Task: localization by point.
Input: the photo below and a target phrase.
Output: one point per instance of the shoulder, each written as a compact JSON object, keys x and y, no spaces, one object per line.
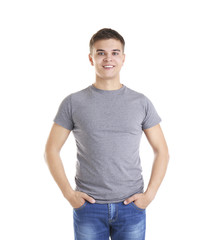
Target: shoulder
{"x":78,"y":95}
{"x":139,"y":95}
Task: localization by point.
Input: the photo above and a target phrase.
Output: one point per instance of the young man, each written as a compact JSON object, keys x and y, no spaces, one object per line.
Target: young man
{"x":107,"y":119}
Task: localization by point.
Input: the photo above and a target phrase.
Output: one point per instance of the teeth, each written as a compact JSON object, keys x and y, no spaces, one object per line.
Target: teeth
{"x":108,"y":66}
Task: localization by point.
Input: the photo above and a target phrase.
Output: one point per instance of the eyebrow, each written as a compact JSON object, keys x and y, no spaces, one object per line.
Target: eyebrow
{"x":101,"y":50}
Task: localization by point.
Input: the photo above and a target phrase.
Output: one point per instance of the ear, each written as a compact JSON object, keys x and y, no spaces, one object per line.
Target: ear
{"x":123,"y":59}
{"x":90,"y":59}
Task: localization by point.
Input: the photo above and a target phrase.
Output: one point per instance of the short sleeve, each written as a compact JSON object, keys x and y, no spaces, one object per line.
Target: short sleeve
{"x":151,"y":116}
{"x":64,"y":114}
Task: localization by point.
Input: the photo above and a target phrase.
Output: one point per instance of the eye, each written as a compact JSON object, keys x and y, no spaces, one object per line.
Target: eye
{"x":115,"y":53}
{"x":101,"y":53}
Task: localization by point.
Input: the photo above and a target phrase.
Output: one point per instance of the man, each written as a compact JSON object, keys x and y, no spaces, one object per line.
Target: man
{"x":107,"y":119}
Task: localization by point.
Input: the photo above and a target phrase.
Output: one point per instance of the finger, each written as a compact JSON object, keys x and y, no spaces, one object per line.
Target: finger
{"x":89,"y":199}
{"x":128,"y":200}
{"x":131,"y":199}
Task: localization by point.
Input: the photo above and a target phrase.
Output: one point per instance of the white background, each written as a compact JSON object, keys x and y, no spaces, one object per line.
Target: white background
{"x":44,"y":57}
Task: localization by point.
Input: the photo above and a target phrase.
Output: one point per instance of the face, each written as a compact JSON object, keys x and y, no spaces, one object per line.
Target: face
{"x":107,"y":57}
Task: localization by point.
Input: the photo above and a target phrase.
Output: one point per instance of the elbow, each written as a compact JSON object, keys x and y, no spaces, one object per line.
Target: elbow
{"x":50,"y":153}
{"x":167,"y":154}
{"x":46,"y":153}
{"x":45,"y":156}
{"x":167,"y":157}
{"x":164,"y":153}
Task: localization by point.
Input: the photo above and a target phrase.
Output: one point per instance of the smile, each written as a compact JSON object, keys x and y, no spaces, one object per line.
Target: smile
{"x":108,"y":66}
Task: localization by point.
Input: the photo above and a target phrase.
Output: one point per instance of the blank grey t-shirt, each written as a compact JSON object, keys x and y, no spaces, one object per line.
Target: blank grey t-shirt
{"x":107,"y":126}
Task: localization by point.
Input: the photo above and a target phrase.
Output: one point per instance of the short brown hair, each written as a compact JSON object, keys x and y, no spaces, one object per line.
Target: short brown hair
{"x":106,"y":33}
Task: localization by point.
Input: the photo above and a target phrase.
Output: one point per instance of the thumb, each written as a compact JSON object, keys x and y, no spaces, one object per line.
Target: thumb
{"x":127,"y":201}
{"x":89,"y":199}
{"x":131,"y":199}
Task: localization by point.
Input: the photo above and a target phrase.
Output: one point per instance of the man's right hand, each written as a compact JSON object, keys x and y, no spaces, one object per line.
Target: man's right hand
{"x":77,"y":199}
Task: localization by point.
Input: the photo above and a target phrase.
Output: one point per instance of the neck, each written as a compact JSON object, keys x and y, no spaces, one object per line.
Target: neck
{"x":109,"y":84}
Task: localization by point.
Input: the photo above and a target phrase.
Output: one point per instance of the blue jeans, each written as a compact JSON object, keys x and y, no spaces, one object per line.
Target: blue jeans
{"x":94,"y":221}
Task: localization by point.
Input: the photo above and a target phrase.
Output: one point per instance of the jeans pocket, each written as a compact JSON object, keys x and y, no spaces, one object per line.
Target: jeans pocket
{"x":136,"y":207}
{"x":81,"y":207}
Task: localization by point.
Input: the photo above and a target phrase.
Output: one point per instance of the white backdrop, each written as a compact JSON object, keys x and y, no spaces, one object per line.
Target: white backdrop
{"x":44,"y":57}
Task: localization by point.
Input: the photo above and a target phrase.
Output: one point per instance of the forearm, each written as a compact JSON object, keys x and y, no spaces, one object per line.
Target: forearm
{"x":158,"y":172}
{"x":56,"y":168}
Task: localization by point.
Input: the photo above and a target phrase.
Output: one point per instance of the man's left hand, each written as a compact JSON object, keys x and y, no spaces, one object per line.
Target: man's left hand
{"x":141,"y":200}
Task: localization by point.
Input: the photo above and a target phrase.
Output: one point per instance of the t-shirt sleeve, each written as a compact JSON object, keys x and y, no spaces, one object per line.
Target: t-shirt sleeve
{"x":151,"y":116}
{"x":64,"y":114}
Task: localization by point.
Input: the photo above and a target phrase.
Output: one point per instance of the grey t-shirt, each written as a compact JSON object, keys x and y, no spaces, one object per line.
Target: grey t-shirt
{"x":107,"y":126}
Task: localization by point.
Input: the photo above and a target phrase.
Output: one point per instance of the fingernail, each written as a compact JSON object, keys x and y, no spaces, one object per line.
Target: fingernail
{"x":93,"y":201}
{"x":125,"y":202}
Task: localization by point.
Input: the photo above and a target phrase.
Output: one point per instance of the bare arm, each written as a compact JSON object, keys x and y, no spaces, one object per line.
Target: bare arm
{"x":56,"y":140}
{"x":57,"y":137}
{"x":157,"y":141}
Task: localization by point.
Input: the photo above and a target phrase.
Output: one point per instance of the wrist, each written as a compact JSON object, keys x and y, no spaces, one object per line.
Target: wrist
{"x":69,"y":194}
{"x":150,"y":194}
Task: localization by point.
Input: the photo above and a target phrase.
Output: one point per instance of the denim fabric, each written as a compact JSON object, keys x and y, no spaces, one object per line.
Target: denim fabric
{"x":95,"y":221}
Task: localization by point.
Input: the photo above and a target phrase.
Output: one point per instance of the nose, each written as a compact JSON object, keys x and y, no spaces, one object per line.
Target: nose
{"x":108,"y":57}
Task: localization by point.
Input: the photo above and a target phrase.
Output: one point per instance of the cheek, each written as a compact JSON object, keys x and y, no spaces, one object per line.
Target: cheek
{"x":119,"y":63}
{"x":119,"y":60}
{"x":98,"y":63}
